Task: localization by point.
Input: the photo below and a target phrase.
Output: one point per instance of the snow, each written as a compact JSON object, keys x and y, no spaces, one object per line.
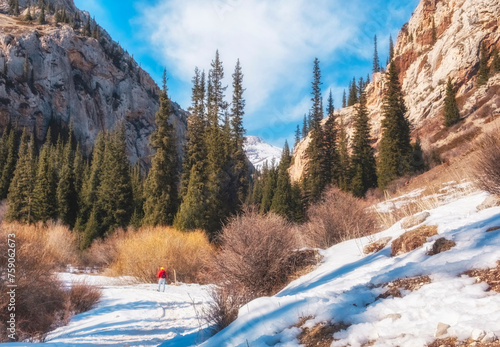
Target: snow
{"x":258,"y":152}
{"x":344,"y":288}
{"x":134,"y":315}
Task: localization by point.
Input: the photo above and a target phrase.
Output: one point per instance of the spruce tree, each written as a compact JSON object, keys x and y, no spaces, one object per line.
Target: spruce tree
{"x":20,"y":195}
{"x":331,"y":158}
{"x":161,"y":194}
{"x":26,"y":67}
{"x":241,"y":170}
{"x":344,"y":169}
{"x":28,"y":16}
{"x":269,"y":186}
{"x":395,"y":147}
{"x":41,"y":19}
{"x":417,"y":158}
{"x":44,"y":192}
{"x":353,"y":93}
{"x":11,"y":155}
{"x":137,"y":182}
{"x":451,"y":112}
{"x":496,"y":61}
{"x":434,"y":31}
{"x":283,"y":200}
{"x":391,"y":49}
{"x":92,"y":182}
{"x":364,"y":175}
{"x":297,"y":136}
{"x":483,"y":73}
{"x":376,"y":61}
{"x":114,"y":196}
{"x":67,"y":196}
{"x":344,"y":100}
{"x":305,"y":128}
{"x":16,"y":8}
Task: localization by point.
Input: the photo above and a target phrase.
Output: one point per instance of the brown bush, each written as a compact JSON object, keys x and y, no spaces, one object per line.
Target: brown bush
{"x":441,"y":245}
{"x":83,"y":297}
{"x":412,"y":239}
{"x":338,"y":217}
{"x":486,"y":167}
{"x":223,"y":310}
{"x":255,"y":252}
{"x":376,"y":246}
{"x":41,"y":302}
{"x":141,"y":253}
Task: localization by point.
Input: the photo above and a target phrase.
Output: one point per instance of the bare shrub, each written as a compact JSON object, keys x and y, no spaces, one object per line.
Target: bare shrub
{"x":377,"y":245}
{"x":140,"y":254}
{"x":83,"y":297}
{"x":412,"y":239}
{"x":223,"y":310}
{"x":254,"y":253}
{"x":441,"y":245}
{"x":486,"y":167}
{"x":103,"y":252}
{"x":338,"y":217}
{"x":41,"y":301}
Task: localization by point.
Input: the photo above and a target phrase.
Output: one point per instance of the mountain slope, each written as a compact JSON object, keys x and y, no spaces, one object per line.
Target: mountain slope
{"x":461,"y":26}
{"x":53,"y":75}
{"x":258,"y":152}
{"x":345,"y":290}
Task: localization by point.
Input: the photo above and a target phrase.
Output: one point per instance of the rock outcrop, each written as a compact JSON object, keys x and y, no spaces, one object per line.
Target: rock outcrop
{"x":441,"y":40}
{"x":53,"y":74}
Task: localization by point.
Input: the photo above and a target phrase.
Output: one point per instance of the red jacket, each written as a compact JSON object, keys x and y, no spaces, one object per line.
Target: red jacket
{"x":161,"y":272}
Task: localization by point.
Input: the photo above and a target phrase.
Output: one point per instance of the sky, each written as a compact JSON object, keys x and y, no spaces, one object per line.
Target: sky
{"x":275,"y":40}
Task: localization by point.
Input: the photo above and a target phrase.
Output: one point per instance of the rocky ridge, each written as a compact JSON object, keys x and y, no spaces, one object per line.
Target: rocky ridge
{"x":90,"y":83}
{"x":460,"y":27}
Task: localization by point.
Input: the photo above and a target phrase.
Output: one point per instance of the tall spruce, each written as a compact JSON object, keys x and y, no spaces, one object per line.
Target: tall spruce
{"x":451,"y":113}
{"x":41,"y":18}
{"x":67,"y":195}
{"x":353,"y":93}
{"x":241,"y":169}
{"x":364,"y":172}
{"x":20,"y":195}
{"x":297,"y":137}
{"x":344,"y":100}
{"x":391,"y":49}
{"x":11,"y":155}
{"x":376,"y":61}
{"x":331,"y":159}
{"x":44,"y":192}
{"x":161,"y":192}
{"x":28,"y":17}
{"x":496,"y":61}
{"x":483,"y":73}
{"x":269,"y":180}
{"x":395,"y":147}
{"x":305,"y":128}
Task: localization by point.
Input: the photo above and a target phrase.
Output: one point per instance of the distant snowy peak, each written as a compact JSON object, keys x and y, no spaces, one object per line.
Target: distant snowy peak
{"x":259,"y":151}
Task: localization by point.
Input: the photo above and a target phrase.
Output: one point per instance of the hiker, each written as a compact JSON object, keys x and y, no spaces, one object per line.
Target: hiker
{"x":162,"y":278}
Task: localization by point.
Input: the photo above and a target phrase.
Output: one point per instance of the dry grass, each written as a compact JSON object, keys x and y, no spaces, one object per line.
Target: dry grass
{"x":453,"y":342}
{"x":83,"y":297}
{"x":337,"y":218}
{"x":140,"y":254}
{"x":376,"y":246}
{"x":42,"y":303}
{"x":492,"y":229}
{"x":486,"y":167}
{"x":321,"y":334}
{"x":412,"y":239}
{"x":490,"y":276}
{"x":410,"y":284}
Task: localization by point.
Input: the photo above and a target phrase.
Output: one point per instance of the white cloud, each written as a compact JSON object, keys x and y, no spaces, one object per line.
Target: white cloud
{"x":276,"y":41}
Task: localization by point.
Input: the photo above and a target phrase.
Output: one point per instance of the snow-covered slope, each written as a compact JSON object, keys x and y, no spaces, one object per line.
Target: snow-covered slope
{"x":344,"y":288}
{"x":259,"y":151}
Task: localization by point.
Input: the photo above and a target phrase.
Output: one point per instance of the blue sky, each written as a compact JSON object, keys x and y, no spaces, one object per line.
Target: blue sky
{"x":276,"y":41}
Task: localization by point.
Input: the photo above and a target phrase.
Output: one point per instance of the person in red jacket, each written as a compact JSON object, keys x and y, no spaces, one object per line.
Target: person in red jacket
{"x":162,"y":278}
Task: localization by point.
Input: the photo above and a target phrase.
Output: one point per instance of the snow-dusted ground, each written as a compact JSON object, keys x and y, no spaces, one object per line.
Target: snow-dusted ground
{"x":342,"y":289}
{"x":134,"y":315}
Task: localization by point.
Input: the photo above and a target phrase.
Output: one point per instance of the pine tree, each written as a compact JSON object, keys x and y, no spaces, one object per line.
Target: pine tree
{"x":451,"y":112}
{"x":417,"y":158}
{"x":317,"y":110}
{"x":161,"y":195}
{"x":87,"y":29}
{"x":376,"y":61}
{"x":496,"y":61}
{"x":20,"y":195}
{"x":241,"y":170}
{"x":483,"y":73}
{"x":297,"y":137}
{"x":41,"y":19}
{"x":137,"y":182}
{"x":391,"y":49}
{"x":114,"y":196}
{"x":67,"y":196}
{"x":364,"y":175}
{"x":361,"y":87}
{"x":353,"y":93}
{"x":9,"y":167}
{"x":305,"y":128}
{"x":331,"y":158}
{"x":92,"y":182}
{"x":283,"y":200}
{"x":44,"y":192}
{"x":434,"y":31}
{"x":28,"y":16}
{"x":269,"y":186}
{"x":395,"y":147}
{"x":367,"y":80}
{"x":344,"y":169}
{"x":344,"y":100}
{"x":16,"y":7}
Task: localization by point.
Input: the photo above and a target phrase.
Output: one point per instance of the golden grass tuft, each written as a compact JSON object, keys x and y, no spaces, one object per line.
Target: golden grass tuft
{"x":412,"y":239}
{"x":141,"y":253}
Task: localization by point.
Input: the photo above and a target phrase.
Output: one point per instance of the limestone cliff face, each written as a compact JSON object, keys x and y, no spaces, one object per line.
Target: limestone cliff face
{"x":459,"y":27}
{"x":52,"y":73}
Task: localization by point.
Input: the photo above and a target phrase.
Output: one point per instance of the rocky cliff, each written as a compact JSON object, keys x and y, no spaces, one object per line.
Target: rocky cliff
{"x":54,"y":74}
{"x":442,"y":39}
